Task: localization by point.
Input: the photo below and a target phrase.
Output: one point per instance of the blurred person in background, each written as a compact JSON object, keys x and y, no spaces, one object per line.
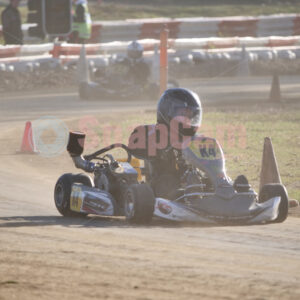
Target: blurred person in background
{"x":128,"y":75}
{"x":11,"y":24}
{"x":138,"y":69}
{"x":131,"y":69}
{"x":82,"y":23}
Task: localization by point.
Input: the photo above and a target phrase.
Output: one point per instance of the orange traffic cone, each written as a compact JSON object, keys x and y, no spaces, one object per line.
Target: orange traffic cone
{"x":27,"y":142}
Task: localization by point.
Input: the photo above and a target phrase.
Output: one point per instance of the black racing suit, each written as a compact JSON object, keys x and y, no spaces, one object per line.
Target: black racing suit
{"x":11,"y":26}
{"x":166,"y":167}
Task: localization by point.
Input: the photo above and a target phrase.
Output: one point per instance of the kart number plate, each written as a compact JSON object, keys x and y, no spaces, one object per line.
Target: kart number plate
{"x":206,"y":148}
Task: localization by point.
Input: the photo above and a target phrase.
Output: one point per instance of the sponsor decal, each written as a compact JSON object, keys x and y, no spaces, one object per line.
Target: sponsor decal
{"x":164,"y":208}
{"x":97,"y":205}
{"x":76,"y":198}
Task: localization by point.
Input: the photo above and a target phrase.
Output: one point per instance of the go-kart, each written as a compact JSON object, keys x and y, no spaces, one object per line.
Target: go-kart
{"x":114,"y":191}
{"x":124,"y":80}
{"x":206,"y":194}
{"x":120,"y":89}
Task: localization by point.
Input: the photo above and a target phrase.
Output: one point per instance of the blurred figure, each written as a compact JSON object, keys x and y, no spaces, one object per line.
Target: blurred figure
{"x":179,"y":111}
{"x":127,"y":75}
{"x":126,"y":72}
{"x":82,"y":23}
{"x":11,"y":24}
{"x":138,"y":69}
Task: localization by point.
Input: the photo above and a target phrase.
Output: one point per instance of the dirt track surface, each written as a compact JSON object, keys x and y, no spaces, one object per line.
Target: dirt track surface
{"x":45,"y":256}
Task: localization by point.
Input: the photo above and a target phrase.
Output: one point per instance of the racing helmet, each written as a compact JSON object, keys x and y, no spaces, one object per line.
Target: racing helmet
{"x":180,"y":102}
{"x":135,"y":50}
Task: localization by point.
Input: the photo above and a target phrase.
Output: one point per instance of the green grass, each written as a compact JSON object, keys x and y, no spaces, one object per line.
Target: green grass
{"x":120,"y":10}
{"x":244,"y":156}
{"x":281,"y":124}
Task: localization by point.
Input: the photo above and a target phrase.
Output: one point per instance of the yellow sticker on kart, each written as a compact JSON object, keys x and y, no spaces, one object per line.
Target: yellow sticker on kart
{"x":135,"y":163}
{"x":206,"y":148}
{"x":76,"y":198}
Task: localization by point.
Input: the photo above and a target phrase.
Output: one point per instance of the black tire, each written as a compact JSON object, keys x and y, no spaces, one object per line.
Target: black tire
{"x":139,"y":203}
{"x":271,"y":190}
{"x":241,"y":184}
{"x":62,"y":192}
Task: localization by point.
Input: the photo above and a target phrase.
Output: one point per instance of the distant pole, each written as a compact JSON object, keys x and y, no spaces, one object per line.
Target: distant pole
{"x":56,"y":50}
{"x":243,"y":67}
{"x":164,"y":35}
{"x":275,"y":93}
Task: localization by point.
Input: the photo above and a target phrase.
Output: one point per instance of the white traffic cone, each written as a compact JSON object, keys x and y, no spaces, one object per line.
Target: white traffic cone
{"x":269,"y":169}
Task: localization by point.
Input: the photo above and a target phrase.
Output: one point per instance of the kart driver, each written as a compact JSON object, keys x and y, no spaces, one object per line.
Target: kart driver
{"x":179,"y":115}
{"x":131,"y":70}
{"x":139,"y":70}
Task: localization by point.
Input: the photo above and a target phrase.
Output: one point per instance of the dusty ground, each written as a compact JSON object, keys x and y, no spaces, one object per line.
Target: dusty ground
{"x":45,"y":256}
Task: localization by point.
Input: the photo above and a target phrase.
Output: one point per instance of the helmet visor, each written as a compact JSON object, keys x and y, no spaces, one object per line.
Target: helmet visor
{"x":191,"y":115}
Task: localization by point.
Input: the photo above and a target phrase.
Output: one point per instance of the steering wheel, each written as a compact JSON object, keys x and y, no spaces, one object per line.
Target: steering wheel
{"x":108,"y":148}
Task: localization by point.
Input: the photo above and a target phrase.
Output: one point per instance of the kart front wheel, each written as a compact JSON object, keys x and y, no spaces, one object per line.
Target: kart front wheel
{"x":62,"y":192}
{"x":271,"y":190}
{"x":139,"y":203}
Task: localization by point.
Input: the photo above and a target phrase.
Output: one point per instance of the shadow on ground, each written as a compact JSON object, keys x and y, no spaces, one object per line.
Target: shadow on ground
{"x":89,"y":221}
{"x":98,"y":222}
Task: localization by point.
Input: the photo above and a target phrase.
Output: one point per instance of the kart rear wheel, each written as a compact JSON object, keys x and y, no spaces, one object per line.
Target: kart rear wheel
{"x":139,"y":203}
{"x":62,"y":192}
{"x":271,"y":190}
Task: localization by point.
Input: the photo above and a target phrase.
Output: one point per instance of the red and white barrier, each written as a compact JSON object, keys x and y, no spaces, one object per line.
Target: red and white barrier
{"x":24,"y":59}
{"x":261,"y":26}
{"x":191,"y":58}
{"x":57,"y":50}
{"x":38,"y":49}
{"x":9,"y":51}
{"x":284,"y":25}
{"x":281,"y":25}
